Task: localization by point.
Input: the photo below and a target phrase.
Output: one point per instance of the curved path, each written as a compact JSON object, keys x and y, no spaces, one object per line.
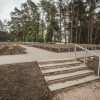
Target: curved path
{"x":35,"y":54}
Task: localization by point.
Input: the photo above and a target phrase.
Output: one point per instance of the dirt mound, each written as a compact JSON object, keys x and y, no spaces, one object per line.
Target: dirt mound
{"x":12,"y":49}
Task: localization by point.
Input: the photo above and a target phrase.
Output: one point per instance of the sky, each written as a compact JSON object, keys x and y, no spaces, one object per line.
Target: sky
{"x":6,"y":6}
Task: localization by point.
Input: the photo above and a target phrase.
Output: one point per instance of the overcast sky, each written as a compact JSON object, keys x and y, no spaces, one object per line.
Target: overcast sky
{"x":6,"y":6}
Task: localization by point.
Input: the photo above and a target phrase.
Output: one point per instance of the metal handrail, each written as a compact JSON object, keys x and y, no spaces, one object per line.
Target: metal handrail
{"x":85,"y":56}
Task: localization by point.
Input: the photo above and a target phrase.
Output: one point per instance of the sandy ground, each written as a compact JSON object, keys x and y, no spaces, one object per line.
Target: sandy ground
{"x":89,"y":91}
{"x":35,"y":54}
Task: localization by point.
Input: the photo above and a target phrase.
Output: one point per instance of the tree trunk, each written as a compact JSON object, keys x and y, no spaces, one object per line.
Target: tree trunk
{"x":77,"y":26}
{"x":91,"y":20}
{"x":60,"y":24}
{"x":64,"y":23}
{"x":72,"y":19}
{"x":80,"y":30}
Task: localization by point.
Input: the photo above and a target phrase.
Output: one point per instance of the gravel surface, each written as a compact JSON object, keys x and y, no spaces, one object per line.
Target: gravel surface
{"x":35,"y":54}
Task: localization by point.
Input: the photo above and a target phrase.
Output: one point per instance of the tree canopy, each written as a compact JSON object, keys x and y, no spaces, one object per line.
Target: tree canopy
{"x":74,"y":21}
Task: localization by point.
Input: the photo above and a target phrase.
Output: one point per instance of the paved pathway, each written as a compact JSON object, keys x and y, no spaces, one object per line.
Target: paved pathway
{"x":35,"y":54}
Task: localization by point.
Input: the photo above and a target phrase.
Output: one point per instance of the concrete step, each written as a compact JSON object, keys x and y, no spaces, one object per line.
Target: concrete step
{"x":66,"y":84}
{"x":55,"y":61}
{"x":70,"y":78}
{"x":63,"y":70}
{"x":64,"y":74}
{"x":67,"y":75}
{"x":59,"y":65}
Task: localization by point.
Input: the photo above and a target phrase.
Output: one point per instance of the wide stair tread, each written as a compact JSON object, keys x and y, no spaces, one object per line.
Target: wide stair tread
{"x":62,"y":85}
{"x":59,"y":64}
{"x":68,"y":75}
{"x":55,"y":61}
{"x":62,"y":69}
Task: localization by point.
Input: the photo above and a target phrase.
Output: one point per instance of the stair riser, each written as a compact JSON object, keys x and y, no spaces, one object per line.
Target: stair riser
{"x":64,"y":71}
{"x":54,"y":62}
{"x":59,"y":66}
{"x":69,"y":78}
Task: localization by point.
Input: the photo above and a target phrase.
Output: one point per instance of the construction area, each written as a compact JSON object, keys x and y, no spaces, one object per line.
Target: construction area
{"x":50,"y":50}
{"x":60,"y":73}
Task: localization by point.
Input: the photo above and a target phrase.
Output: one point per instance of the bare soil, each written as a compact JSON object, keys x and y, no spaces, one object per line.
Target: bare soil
{"x":60,"y":48}
{"x":93,"y":63}
{"x":89,"y":91}
{"x":23,"y":81}
{"x":11,"y":49}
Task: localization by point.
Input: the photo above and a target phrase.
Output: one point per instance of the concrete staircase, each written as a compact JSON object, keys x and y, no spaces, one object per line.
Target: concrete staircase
{"x":63,"y":74}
